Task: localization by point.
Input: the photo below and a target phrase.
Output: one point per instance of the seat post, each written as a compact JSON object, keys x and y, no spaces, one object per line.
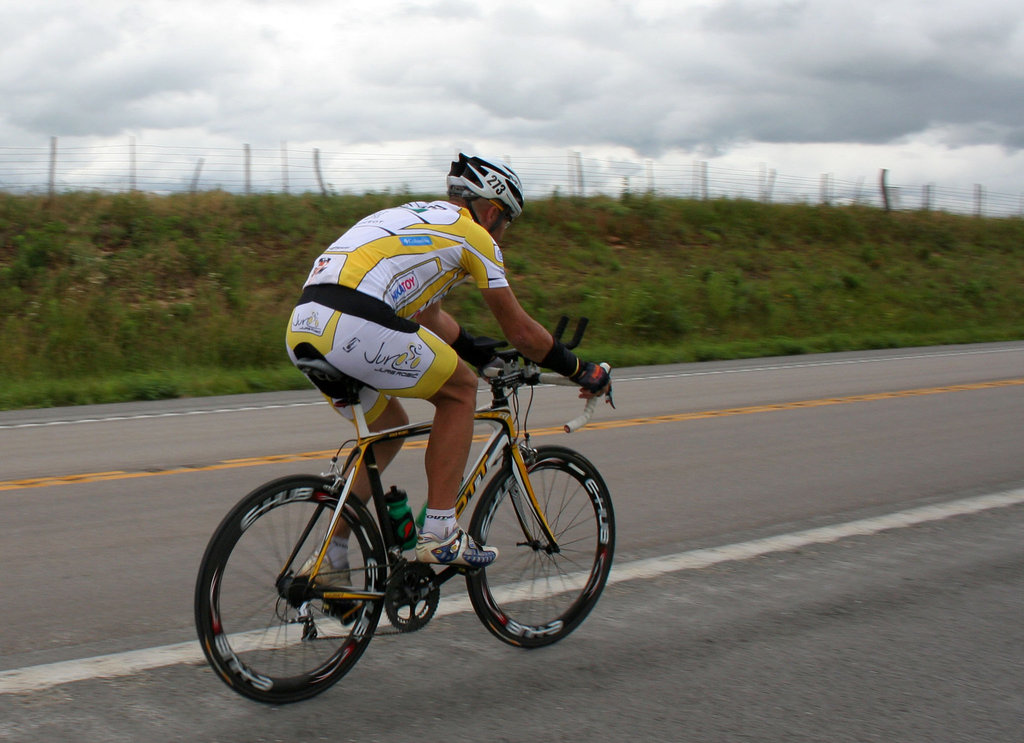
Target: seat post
{"x":359,"y":418}
{"x":333,"y":383}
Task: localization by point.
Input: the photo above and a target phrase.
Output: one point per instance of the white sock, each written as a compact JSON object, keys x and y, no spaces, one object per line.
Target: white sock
{"x":440,"y":523}
{"x":337,"y":552}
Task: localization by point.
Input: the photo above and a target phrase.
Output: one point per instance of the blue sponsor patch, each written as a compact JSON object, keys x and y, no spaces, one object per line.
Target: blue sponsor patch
{"x":416,"y":240}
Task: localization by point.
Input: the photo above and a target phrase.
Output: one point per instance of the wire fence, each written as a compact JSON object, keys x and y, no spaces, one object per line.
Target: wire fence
{"x":244,"y":169}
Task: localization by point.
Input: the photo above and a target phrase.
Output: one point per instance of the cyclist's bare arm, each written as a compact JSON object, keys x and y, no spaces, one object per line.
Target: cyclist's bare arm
{"x":519,"y":329}
{"x":440,"y":322}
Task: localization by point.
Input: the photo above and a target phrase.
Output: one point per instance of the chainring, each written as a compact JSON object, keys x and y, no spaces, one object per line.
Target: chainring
{"x":411,"y":596}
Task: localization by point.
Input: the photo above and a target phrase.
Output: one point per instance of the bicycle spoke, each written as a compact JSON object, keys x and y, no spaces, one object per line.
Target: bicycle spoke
{"x":533,"y":595}
{"x":264,"y":624}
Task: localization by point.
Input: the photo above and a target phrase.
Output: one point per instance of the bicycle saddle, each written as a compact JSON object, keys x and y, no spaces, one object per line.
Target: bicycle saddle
{"x":326,"y":377}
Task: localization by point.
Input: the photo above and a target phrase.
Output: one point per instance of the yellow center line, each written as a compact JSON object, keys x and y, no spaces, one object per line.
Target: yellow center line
{"x":43,"y":482}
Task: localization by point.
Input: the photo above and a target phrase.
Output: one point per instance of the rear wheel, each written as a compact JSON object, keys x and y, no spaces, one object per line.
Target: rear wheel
{"x":271,"y":633}
{"x":536,"y":593}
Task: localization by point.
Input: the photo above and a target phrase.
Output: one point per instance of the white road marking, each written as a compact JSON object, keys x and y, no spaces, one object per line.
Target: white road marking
{"x":832,"y":362}
{"x":618,"y":380}
{"x":34,"y":678}
{"x":165,"y":414}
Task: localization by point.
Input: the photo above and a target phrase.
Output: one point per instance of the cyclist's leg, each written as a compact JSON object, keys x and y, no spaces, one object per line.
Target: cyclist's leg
{"x":342,"y":340}
{"x":413,"y":363}
{"x":383,"y":412}
{"x":442,"y":541}
{"x":392,"y":416}
{"x":399,"y":362}
{"x":451,"y":437}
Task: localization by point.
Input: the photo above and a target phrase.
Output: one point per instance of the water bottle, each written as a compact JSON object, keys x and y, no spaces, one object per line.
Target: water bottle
{"x":401,"y":517}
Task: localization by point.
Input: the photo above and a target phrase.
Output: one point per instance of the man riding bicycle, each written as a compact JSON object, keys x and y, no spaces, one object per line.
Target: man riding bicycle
{"x":371,"y":306}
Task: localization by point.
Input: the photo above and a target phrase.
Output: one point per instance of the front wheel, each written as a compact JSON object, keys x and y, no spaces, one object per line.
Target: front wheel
{"x":271,"y":633}
{"x":536,"y":593}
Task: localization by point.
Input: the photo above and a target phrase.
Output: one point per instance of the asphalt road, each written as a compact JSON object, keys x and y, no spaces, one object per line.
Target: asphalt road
{"x":802,"y":555}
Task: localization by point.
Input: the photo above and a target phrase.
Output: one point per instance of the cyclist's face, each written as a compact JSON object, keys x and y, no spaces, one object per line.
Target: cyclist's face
{"x":498,"y":230}
{"x":491,"y":218}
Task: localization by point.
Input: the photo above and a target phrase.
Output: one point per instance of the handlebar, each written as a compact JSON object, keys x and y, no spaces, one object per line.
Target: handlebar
{"x":516,"y":370}
{"x":513,"y":376}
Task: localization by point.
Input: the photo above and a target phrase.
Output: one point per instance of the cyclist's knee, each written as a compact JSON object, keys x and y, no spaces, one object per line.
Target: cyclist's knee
{"x":460,"y":387}
{"x":393,"y":416}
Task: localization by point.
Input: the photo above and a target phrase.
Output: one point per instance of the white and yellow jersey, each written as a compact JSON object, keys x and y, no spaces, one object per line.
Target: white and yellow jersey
{"x":412,"y":255}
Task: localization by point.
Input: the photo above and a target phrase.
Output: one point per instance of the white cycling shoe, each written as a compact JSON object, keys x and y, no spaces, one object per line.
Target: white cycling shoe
{"x":329,"y":576}
{"x":328,"y":573}
{"x":457,"y":549}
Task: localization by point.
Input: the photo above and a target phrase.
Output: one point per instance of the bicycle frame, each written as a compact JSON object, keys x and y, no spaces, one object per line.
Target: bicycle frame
{"x":502,"y":442}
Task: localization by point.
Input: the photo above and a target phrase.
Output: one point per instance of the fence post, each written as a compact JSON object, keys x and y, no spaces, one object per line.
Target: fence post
{"x":248,"y":169}
{"x":826,"y":188}
{"x":195,"y":176}
{"x":885,"y":189}
{"x":53,"y":165}
{"x":695,"y":189}
{"x":131,"y":164}
{"x":319,"y":175}
{"x":767,"y":184}
{"x":650,"y":176}
{"x":926,"y":197}
{"x":284,"y":165}
{"x":979,"y":199}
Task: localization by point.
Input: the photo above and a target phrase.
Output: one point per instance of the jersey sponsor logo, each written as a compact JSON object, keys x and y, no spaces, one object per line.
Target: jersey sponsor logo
{"x":402,"y":286}
{"x":308,"y":322}
{"x":321,"y":266}
{"x":416,"y":240}
{"x":401,"y":364}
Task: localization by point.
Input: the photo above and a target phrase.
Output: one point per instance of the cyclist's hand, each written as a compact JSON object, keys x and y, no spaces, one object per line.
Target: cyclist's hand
{"x":484,"y":350}
{"x":592,"y":378}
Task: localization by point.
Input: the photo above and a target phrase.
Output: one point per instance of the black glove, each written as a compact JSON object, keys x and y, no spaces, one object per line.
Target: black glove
{"x":591,"y":377}
{"x":477,"y":352}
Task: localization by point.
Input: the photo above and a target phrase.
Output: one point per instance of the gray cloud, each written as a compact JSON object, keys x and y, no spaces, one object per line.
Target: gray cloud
{"x":648,"y":75}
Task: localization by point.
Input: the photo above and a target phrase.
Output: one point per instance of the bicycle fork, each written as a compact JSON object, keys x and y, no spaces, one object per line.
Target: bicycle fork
{"x":530,"y":506}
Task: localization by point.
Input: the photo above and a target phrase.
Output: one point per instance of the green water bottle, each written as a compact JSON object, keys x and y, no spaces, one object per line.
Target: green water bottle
{"x":401,"y":517}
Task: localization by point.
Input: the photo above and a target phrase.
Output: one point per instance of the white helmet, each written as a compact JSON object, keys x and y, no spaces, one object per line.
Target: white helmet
{"x":494,"y":181}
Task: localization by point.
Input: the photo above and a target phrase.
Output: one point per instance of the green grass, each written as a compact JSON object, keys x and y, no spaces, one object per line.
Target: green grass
{"x":112,"y":297}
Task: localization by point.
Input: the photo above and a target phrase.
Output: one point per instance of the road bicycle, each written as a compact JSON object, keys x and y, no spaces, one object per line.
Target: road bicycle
{"x":278,"y":625}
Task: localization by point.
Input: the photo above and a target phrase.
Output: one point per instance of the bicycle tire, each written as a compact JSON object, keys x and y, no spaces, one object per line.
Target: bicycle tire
{"x":530,"y":597}
{"x":249,"y":625}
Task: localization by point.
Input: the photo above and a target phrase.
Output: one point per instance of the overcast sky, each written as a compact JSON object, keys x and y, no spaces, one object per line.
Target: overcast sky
{"x":934,"y":91}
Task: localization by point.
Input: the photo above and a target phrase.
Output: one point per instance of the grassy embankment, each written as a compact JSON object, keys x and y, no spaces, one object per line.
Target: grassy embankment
{"x":119,"y":297}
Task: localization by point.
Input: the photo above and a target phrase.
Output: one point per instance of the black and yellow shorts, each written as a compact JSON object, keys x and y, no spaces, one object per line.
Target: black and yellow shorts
{"x":363,"y":337}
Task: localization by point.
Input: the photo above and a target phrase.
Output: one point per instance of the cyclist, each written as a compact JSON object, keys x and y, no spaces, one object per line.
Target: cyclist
{"x":371,"y":307}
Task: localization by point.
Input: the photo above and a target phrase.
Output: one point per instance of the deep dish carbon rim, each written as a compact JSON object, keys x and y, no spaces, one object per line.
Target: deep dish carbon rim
{"x":534,"y":595}
{"x":267,"y":635}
